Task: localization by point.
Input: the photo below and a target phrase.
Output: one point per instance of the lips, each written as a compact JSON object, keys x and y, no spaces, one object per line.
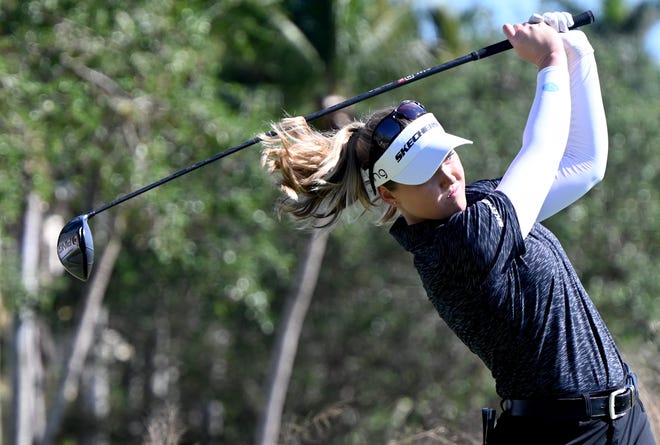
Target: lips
{"x":452,"y":191}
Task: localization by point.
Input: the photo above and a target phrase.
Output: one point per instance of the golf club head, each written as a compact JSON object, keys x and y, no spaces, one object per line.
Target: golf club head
{"x":75,"y":248}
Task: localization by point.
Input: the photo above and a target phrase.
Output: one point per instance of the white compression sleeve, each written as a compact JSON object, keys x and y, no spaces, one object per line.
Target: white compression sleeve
{"x":585,"y":158}
{"x":528,"y":179}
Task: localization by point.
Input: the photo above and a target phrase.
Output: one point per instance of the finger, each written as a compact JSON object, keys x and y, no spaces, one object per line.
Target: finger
{"x":508,"y":30}
{"x":560,"y":21}
{"x":552,"y":20}
{"x":567,"y":21}
{"x":535,"y":18}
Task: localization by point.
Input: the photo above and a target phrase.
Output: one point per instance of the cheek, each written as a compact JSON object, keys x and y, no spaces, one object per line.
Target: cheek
{"x":415,"y":200}
{"x":458,"y":170}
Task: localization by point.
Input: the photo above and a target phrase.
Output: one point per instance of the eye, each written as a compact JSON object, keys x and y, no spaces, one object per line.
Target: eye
{"x":449,"y":156}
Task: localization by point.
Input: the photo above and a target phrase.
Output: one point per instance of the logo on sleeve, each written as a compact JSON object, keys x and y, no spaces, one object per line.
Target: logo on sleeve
{"x":551,"y":87}
{"x":496,"y":214}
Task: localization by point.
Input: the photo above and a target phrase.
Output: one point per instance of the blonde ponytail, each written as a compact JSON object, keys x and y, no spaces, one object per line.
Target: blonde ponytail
{"x":319,"y":173}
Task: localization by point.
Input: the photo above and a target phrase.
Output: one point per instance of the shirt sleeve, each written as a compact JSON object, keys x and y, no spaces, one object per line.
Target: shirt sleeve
{"x":481,"y":241}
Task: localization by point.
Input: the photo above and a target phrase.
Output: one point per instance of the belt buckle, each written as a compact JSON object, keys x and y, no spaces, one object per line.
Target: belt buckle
{"x":612,"y":400}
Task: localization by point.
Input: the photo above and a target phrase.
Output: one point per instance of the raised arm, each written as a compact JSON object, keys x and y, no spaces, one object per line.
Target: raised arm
{"x":585,"y":158}
{"x":532,"y":173}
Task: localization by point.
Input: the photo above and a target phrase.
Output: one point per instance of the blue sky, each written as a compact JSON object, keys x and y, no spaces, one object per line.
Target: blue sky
{"x":511,"y":11}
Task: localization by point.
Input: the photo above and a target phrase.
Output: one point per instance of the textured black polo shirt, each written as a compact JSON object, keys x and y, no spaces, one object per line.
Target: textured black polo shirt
{"x":516,"y":303}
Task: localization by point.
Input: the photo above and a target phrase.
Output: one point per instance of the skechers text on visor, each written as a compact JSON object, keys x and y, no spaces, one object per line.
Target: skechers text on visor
{"x":416,"y":153}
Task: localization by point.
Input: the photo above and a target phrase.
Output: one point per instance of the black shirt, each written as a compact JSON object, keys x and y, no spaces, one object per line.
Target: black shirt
{"x":516,"y":303}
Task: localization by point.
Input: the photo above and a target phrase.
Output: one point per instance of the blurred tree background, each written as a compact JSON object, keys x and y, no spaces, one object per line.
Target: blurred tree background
{"x":176,"y":331}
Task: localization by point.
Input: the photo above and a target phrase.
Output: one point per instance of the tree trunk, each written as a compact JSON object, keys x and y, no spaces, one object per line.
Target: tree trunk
{"x":28,"y":374}
{"x":31,"y":245}
{"x":29,"y":408}
{"x":288,"y":336}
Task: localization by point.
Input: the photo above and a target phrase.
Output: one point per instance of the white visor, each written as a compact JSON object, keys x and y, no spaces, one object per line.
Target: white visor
{"x":416,"y":153}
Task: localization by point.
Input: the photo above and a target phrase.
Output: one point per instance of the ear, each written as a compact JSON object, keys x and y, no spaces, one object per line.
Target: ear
{"x":386,"y":195}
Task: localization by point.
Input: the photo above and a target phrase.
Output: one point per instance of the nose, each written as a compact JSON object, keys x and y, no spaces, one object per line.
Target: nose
{"x":445,"y":175}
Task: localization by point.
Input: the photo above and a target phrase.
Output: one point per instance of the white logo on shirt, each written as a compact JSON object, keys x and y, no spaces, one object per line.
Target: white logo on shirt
{"x":498,"y":218}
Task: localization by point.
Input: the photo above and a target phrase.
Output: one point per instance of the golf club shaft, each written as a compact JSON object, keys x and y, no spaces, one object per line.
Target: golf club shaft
{"x":584,"y":18}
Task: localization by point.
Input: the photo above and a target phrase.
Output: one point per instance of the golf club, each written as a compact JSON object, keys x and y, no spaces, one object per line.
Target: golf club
{"x":75,"y":245}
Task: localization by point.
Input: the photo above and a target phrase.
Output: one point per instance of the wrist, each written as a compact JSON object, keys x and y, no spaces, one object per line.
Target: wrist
{"x":554,"y":58}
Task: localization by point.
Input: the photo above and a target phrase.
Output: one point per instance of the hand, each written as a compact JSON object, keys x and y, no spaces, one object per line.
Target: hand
{"x":577,"y":46}
{"x":536,"y":43}
{"x":559,"y":21}
{"x":575,"y":42}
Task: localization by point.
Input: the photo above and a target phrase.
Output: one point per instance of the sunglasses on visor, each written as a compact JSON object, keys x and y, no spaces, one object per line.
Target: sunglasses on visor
{"x":388,"y":129}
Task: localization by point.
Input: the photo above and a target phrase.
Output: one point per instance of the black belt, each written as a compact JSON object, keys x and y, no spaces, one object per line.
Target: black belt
{"x":612,"y":405}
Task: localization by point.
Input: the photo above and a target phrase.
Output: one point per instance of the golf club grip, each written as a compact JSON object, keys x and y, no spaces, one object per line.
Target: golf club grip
{"x":581,"y":19}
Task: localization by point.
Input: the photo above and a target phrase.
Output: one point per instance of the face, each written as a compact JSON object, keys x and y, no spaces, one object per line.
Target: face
{"x":438,"y":198}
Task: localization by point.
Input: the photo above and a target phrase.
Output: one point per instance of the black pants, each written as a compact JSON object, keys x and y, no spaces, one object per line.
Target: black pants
{"x":631,"y":429}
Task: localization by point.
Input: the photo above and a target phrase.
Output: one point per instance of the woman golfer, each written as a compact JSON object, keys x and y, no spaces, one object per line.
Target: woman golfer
{"x":500,"y":280}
